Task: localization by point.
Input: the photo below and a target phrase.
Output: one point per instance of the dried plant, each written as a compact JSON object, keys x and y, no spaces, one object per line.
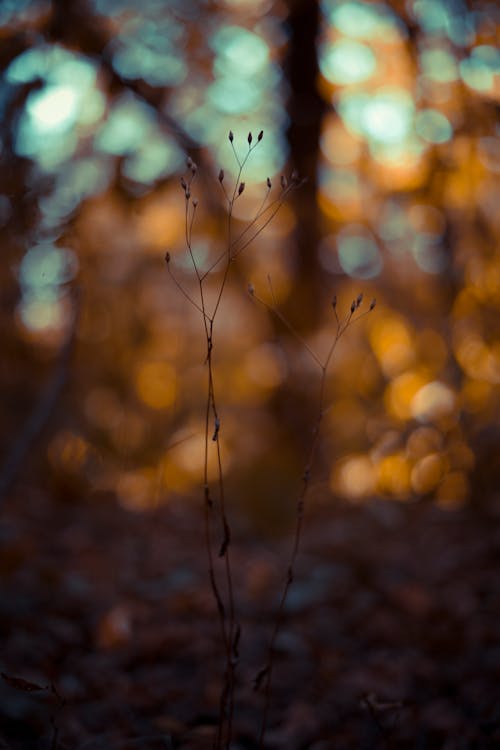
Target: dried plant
{"x":264,"y":677}
{"x":215,"y":507}
{"x":216,"y":519}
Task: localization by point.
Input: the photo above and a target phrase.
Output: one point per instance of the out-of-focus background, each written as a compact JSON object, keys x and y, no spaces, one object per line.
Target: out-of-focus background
{"x":390,"y":632}
{"x":388,"y":108}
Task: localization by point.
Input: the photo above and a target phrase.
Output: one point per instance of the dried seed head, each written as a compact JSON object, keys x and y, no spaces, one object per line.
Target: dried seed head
{"x":269,"y":183}
{"x":260,"y":136}
{"x":189,"y":162}
{"x":359,"y":300}
{"x":194,"y":168}
{"x":195,"y":202}
{"x":167,"y":257}
{"x":221,"y":176}
{"x":334,"y":302}
{"x":250,"y":138}
{"x":373,"y":303}
{"x":284,"y":182}
{"x":188,"y":194}
{"x":183,"y":184}
{"x":231,"y":136}
{"x":353,"y":306}
{"x":251,"y":289}
{"x":241,"y":188}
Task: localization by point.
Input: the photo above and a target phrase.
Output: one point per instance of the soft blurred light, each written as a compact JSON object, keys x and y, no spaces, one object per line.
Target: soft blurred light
{"x":156,"y":384}
{"x":132,"y":130}
{"x":44,"y":267}
{"x":136,"y":489}
{"x":429,"y":256}
{"x":427,"y":473}
{"x":240,"y":52}
{"x":433,"y":401}
{"x":400,"y":394}
{"x":339,"y":147}
{"x":439,"y":64}
{"x":358,"y":253}
{"x":54,"y":108}
{"x":40,"y":314}
{"x":480,"y":69}
{"x":234,"y":96}
{"x":363,"y":20}
{"x":340,"y":190}
{"x":433,"y":126}
{"x":392,"y":343}
{"x":151,"y":49}
{"x":422,"y":441}
{"x":353,"y":477}
{"x":347,"y":62}
{"x":385,"y":117}
{"x":393,"y":476}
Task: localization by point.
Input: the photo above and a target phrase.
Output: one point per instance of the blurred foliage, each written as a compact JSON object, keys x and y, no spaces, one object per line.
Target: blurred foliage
{"x":100,"y":103}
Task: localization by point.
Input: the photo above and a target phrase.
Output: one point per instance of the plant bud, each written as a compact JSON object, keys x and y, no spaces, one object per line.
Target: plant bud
{"x":260,"y":136}
{"x":241,"y":188}
{"x":195,"y":202}
{"x":231,"y":136}
{"x":269,"y":183}
{"x":353,"y":306}
{"x":359,"y":300}
{"x":251,"y":289}
{"x":221,"y":176}
{"x":189,"y":162}
{"x":373,"y":303}
{"x":250,"y":138}
{"x":167,"y":257}
{"x":334,"y":302}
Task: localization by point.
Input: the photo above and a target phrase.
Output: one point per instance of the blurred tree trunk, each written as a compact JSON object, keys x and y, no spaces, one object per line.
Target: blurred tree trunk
{"x":306,"y":109}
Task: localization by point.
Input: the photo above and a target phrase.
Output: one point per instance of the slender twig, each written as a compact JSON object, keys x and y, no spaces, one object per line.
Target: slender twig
{"x":216,"y":510}
{"x":264,"y":677}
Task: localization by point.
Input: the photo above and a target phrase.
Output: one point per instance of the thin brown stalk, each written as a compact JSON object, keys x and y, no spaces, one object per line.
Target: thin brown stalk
{"x":264,"y":677}
{"x":216,"y":510}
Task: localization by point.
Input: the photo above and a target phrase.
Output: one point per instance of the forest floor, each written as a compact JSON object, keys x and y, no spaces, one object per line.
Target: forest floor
{"x":391,"y":635}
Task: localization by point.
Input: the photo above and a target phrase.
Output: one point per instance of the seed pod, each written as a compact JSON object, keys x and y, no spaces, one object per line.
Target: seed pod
{"x":231,"y":136}
{"x":167,"y":257}
{"x":334,"y":302}
{"x":359,"y":300}
{"x":353,"y":306}
{"x":241,"y":188}
{"x":251,"y":289}
{"x":250,"y":138}
{"x":260,"y":136}
{"x":189,"y":162}
{"x":269,"y":183}
{"x":195,"y":202}
{"x":221,"y":176}
{"x":183,"y":184}
{"x":373,"y":303}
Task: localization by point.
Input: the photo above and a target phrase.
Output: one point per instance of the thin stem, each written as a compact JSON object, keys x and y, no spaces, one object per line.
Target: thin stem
{"x":265,"y":675}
